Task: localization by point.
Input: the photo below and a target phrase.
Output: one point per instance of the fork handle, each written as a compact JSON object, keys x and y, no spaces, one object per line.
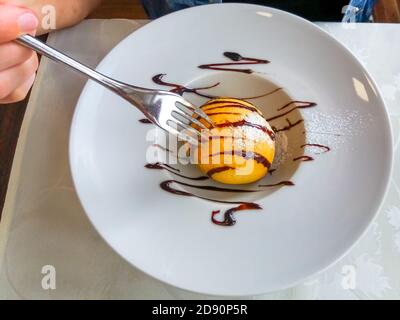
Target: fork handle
{"x":55,"y":55}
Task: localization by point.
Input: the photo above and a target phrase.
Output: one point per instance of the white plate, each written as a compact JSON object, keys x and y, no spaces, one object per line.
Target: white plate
{"x":301,"y":229}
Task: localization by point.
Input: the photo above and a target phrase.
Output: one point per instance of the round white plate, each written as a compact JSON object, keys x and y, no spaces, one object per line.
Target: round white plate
{"x":301,"y":229}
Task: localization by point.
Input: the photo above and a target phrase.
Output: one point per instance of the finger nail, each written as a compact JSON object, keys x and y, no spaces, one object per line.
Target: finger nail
{"x":27,"y":22}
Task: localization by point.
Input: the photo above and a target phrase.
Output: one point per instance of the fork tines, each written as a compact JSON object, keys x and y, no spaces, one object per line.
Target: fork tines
{"x":183,"y":116}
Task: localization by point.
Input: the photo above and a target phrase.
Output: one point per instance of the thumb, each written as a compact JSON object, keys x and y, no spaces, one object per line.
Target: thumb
{"x":15,"y":21}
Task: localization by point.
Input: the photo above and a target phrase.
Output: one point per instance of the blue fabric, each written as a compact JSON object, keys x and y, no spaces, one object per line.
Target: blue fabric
{"x":359,"y":11}
{"x":356,"y":11}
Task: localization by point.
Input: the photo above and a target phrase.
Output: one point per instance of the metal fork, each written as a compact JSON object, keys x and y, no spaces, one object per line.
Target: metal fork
{"x":168,"y":110}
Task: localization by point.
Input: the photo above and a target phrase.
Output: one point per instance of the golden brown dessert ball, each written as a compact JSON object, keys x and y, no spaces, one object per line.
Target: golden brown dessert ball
{"x":240,"y":147}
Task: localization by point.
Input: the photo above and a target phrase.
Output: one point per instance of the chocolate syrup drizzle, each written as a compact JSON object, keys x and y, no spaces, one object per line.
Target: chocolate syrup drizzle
{"x":231,"y":104}
{"x":308,"y":158}
{"x":305,"y":105}
{"x":282,"y":183}
{"x":166,"y":185}
{"x":228,"y":216}
{"x":321,"y":146}
{"x":304,"y":158}
{"x":237,"y":60}
{"x":229,"y":220}
{"x":248,"y":155}
{"x":145,"y":121}
{"x":230,"y":113}
{"x":175,"y":171}
{"x":180,"y":89}
{"x":213,"y":171}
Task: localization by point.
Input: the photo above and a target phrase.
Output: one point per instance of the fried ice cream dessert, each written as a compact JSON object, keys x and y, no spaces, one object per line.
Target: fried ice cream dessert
{"x":240,"y":146}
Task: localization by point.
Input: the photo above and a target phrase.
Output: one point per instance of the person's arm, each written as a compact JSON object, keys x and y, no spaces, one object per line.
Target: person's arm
{"x":68,"y":12}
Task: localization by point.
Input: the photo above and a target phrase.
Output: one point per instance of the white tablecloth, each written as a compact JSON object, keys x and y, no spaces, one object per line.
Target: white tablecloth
{"x":44,"y":224}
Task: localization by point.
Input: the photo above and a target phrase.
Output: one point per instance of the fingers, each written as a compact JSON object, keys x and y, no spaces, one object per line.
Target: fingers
{"x":12,"y":54}
{"x":17,"y":64}
{"x":15,"y":21}
{"x":20,"y":93}
{"x":13,"y":81}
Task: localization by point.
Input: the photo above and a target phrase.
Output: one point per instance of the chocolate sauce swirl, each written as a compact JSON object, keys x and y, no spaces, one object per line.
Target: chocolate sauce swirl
{"x":282,"y":183}
{"x":237,"y":60}
{"x":166,"y":185}
{"x":213,"y":171}
{"x":248,"y":155}
{"x":229,"y":219}
{"x":321,"y":146}
{"x":305,"y":103}
{"x":175,"y":171}
{"x":180,"y":89}
{"x":228,"y":216}
{"x":303,"y":158}
{"x":145,"y":121}
{"x":304,"y":106}
{"x":230,"y":105}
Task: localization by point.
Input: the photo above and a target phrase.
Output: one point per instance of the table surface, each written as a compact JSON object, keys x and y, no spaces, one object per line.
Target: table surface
{"x":11,"y":115}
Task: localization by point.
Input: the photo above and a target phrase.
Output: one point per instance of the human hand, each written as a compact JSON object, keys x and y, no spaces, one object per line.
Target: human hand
{"x":18,"y":64}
